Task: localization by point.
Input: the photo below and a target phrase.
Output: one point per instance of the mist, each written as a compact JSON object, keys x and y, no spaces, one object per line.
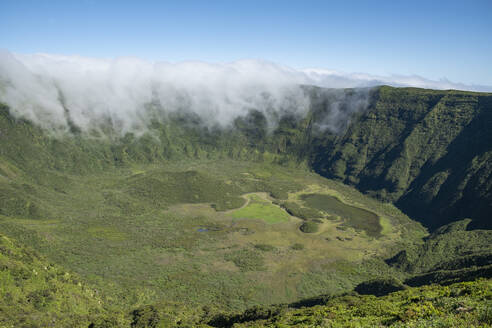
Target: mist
{"x":55,"y":91}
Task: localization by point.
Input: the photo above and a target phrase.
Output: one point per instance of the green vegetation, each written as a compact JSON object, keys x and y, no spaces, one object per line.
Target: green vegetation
{"x":405,"y":147}
{"x":401,"y":149}
{"x":309,"y":227}
{"x":459,"y":305}
{"x":265,"y":247}
{"x":297,"y":247}
{"x":52,"y":296}
{"x":380,"y":287}
{"x":261,"y":209}
{"x":37,"y":293}
{"x":167,"y":223}
{"x":302,"y":212}
{"x":142,"y":233}
{"x":449,"y":255}
{"x":165,"y":188}
{"x":246,"y":260}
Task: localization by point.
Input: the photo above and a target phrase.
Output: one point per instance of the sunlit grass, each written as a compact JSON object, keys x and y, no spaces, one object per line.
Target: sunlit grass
{"x":260,"y":209}
{"x":106,"y":233}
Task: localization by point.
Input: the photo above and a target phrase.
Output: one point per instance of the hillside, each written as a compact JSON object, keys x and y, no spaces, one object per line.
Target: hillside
{"x":38,"y":293}
{"x":187,"y":220}
{"x":402,"y":148}
{"x":429,"y":152}
{"x":457,"y":305}
{"x":197,"y":231}
{"x":41,"y":294}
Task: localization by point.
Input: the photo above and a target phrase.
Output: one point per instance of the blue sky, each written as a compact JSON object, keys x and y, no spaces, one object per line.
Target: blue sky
{"x":433,"y":39}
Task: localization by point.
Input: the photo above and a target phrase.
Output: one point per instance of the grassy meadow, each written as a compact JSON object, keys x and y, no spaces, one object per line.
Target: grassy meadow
{"x":259,"y":208}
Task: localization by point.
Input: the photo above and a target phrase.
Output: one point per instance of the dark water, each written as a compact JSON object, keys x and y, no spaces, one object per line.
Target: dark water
{"x":355,"y":217}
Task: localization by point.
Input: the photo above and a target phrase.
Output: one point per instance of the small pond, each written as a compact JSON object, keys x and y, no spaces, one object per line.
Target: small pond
{"x":356,"y":217}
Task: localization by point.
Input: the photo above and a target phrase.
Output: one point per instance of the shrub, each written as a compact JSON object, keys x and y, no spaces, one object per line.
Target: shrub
{"x":265,"y":247}
{"x":246,"y":260}
{"x":485,"y":313}
{"x":146,"y":316}
{"x":309,"y":227}
{"x":104,"y":323}
{"x":379,"y":287}
{"x":297,"y":247}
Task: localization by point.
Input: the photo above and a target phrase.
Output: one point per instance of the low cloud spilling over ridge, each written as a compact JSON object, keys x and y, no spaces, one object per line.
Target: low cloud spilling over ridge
{"x":52,"y":90}
{"x":324,"y":77}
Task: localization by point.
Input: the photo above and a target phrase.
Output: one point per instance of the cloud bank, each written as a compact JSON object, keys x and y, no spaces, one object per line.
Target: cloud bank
{"x":54,"y":90}
{"x":325,"y":77}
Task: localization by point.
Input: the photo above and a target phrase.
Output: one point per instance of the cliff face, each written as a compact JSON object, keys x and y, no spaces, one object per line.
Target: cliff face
{"x":428,"y":151}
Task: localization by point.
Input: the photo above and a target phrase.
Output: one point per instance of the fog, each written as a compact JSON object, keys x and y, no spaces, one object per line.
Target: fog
{"x":54,"y":90}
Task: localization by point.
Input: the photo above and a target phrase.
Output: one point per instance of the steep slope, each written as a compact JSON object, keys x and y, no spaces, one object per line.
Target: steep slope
{"x":448,"y":255}
{"x":459,"y":305}
{"x":179,"y":136}
{"x":428,"y":151}
{"x":37,"y":293}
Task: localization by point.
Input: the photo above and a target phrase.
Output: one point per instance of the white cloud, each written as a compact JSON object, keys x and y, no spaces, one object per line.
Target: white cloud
{"x":96,"y":90}
{"x":325,"y":77}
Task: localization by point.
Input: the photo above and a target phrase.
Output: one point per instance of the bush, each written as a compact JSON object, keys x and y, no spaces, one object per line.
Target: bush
{"x":145,"y":317}
{"x":265,"y":247}
{"x":380,"y":287}
{"x":246,"y":260}
{"x":309,"y":227}
{"x":251,"y":314}
{"x":485,"y":313}
{"x":104,"y":323}
{"x":228,"y":203}
{"x":297,"y":247}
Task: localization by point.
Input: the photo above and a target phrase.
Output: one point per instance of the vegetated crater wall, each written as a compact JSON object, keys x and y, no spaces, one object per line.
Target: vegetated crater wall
{"x":428,"y":151}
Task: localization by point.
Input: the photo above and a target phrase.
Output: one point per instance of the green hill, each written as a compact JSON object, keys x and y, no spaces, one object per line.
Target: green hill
{"x":38,"y":293}
{"x":427,"y":151}
{"x":458,"y":305}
